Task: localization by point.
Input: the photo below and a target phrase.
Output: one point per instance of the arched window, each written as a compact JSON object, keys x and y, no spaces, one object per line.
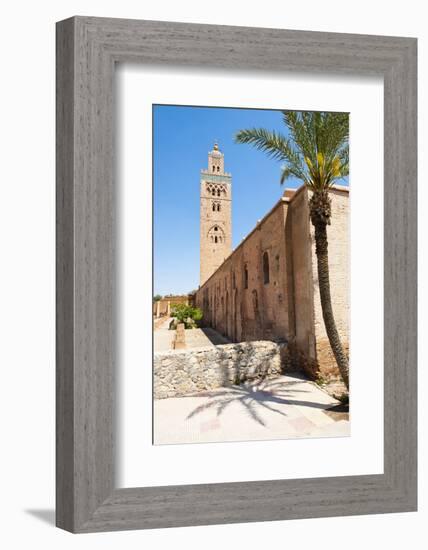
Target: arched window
{"x":255,"y":302}
{"x":213,"y":193}
{"x":218,"y":207}
{"x":213,"y":168}
{"x":214,"y":206}
{"x":216,"y":234}
{"x":245,"y":276}
{"x":265,"y":268}
{"x":218,"y":193}
{"x":218,"y":168}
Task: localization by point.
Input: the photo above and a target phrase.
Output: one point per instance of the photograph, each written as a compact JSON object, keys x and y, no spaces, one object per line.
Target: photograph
{"x":251,"y":286}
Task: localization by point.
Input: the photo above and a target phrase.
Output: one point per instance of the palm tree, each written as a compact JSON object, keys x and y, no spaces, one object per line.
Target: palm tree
{"x":316,"y":153}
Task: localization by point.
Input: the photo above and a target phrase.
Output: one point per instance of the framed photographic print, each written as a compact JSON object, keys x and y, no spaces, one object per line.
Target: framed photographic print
{"x":236,"y":274}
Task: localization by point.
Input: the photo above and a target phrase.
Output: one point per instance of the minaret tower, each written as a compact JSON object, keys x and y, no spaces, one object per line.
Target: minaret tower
{"x":215,"y":215}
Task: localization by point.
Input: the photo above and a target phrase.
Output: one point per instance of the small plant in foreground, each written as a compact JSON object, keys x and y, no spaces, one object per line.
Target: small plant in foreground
{"x":320,"y":380}
{"x":343,"y":398}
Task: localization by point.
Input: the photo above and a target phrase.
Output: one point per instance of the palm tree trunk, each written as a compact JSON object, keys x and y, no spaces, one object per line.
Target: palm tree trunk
{"x":321,"y":249}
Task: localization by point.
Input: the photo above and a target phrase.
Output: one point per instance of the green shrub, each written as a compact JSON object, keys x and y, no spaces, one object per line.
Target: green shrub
{"x":186,"y":314}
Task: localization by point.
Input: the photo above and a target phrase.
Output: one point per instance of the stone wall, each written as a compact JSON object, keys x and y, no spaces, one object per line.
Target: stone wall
{"x":339,"y":270}
{"x":181,"y":373}
{"x":301,"y":276}
{"x":239,"y":301}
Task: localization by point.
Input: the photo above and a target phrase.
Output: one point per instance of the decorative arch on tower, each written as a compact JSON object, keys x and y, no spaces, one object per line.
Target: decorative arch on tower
{"x":216,"y":235}
{"x":215,"y":189}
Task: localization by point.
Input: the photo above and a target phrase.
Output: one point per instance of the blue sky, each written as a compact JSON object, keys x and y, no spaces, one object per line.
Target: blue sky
{"x":182,"y":137}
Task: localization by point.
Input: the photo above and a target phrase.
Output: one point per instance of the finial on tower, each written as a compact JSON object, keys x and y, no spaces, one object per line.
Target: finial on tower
{"x":216,"y":145}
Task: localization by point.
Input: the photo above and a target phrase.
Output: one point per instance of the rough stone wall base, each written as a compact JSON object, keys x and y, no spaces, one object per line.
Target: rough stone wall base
{"x":324,"y":366}
{"x":326,"y":362}
{"x":298,"y":361}
{"x":181,"y":373}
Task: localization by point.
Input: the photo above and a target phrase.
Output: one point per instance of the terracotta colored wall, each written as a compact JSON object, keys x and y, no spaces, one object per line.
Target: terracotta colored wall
{"x":289,"y":306}
{"x":261,"y":310}
{"x":301,"y":274}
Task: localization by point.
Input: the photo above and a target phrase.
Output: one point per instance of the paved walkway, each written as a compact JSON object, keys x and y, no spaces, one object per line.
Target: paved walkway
{"x":286,"y":407}
{"x":202,"y":337}
{"x":163,"y":336}
{"x":195,"y":338}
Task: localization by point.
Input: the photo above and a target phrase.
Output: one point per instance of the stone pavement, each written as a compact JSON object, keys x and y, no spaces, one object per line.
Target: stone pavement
{"x":163,"y":336}
{"x":285,"y":407}
{"x":195,"y":338}
{"x":199,"y":338}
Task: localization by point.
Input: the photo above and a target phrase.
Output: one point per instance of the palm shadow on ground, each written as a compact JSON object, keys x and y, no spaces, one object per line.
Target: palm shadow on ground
{"x":256,"y":397}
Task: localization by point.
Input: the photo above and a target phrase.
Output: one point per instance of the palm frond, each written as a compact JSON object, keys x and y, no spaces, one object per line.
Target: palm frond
{"x":275,"y":145}
{"x":316,"y":150}
{"x":287,"y":172}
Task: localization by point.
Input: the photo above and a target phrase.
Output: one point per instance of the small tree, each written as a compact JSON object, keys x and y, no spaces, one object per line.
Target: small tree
{"x":197,"y":314}
{"x":157,"y":297}
{"x":186,"y":314}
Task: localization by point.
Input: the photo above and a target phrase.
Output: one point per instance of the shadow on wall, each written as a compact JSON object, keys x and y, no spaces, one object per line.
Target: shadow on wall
{"x":244,"y":368}
{"x":183,"y":373}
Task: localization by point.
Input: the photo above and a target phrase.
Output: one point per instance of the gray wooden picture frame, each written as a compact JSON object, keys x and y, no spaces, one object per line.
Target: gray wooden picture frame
{"x":87,"y":50}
